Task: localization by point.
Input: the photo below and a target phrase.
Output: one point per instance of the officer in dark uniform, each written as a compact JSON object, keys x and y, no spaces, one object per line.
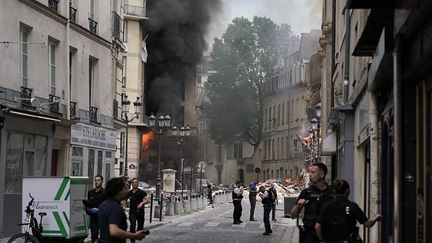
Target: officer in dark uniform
{"x":137,"y":199}
{"x":95,"y":197}
{"x":338,"y":218}
{"x":312,"y":199}
{"x":252,"y":199}
{"x":237,"y":196}
{"x":267,"y":197}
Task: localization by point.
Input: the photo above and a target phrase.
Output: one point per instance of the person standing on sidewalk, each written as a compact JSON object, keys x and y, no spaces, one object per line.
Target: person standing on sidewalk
{"x":267,"y":201}
{"x":275,"y":201}
{"x":95,"y":197}
{"x":210,"y":194}
{"x":252,"y":199}
{"x":137,"y":199}
{"x":338,"y":218}
{"x":112,"y":218}
{"x":312,"y":199}
{"x":237,"y":196}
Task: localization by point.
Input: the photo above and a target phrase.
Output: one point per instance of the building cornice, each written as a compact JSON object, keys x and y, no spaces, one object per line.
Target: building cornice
{"x":87,"y":33}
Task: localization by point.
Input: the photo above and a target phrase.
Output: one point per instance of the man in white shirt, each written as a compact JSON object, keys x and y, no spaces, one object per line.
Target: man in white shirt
{"x":267,"y":200}
{"x":237,"y":196}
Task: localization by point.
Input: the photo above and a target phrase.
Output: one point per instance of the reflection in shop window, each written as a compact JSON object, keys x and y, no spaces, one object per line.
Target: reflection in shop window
{"x":108,"y":162}
{"x":40,"y":165}
{"x":77,"y":160}
{"x":91,"y":159}
{"x":14,"y":157}
{"x":99,"y":164}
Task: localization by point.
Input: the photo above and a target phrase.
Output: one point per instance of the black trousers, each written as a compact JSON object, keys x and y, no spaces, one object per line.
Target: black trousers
{"x":136,"y":219}
{"x":237,"y":210}
{"x":308,"y":236}
{"x":267,"y":209}
{"x":273,"y":208}
{"x":252,"y":200}
{"x":94,"y":228}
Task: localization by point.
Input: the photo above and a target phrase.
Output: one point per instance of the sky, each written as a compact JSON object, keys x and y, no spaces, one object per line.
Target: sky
{"x":301,"y":15}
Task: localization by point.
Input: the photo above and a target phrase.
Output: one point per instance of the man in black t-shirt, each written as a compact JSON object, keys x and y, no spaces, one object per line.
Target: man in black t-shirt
{"x":338,"y":218}
{"x":312,"y":199}
{"x":112,"y":218}
{"x":137,"y":199}
{"x":94,"y":199}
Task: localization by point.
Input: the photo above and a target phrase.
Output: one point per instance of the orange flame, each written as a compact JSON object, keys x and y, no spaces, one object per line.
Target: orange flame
{"x":147,"y":138}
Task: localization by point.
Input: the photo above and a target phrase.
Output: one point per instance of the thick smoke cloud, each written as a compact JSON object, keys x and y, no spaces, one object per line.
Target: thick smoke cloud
{"x":176,"y":40}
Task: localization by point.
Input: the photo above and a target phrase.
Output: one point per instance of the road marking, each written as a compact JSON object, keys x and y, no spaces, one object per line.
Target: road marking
{"x":211,"y":224}
{"x":185,"y":224}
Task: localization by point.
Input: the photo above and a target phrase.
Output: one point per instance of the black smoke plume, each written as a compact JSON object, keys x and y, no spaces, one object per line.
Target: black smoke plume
{"x":176,"y":40}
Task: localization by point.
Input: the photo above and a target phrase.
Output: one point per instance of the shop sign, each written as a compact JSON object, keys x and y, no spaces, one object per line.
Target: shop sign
{"x":92,"y":136}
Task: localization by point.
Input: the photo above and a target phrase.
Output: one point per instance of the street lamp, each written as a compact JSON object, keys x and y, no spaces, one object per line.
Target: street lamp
{"x":181,"y":135}
{"x":318,"y":116}
{"x":162,"y":123}
{"x":125,"y":117}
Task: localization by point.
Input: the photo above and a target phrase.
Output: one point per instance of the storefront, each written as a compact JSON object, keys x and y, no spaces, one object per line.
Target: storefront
{"x":93,"y":150}
{"x":25,"y":150}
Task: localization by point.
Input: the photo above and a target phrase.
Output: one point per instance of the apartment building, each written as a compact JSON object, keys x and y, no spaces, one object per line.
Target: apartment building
{"x":56,"y":95}
{"x":285,"y":118}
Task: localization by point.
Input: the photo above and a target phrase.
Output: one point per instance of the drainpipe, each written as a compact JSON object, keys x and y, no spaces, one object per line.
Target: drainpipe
{"x":397,"y":90}
{"x":375,"y":171}
{"x":347,"y":55}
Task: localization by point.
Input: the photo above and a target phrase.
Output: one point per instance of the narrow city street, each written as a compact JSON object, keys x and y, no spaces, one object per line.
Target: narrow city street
{"x":215,"y":225}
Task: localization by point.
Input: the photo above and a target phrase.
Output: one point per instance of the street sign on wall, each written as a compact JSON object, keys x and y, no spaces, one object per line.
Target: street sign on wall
{"x":92,"y":136}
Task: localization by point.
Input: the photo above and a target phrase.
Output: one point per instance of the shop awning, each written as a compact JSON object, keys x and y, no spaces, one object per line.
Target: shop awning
{"x":34,"y":115}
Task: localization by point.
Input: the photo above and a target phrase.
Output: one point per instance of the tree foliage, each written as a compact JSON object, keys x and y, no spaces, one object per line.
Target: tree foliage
{"x":247,"y":54}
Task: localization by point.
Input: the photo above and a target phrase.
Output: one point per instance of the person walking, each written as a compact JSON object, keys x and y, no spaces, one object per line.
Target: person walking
{"x":94,"y":199}
{"x":267,"y":201}
{"x":275,"y":201}
{"x":210,"y":194}
{"x":312,"y":199}
{"x":237,"y":196}
{"x":252,"y":199}
{"x":137,"y":199}
{"x":112,"y":218}
{"x":338,"y":218}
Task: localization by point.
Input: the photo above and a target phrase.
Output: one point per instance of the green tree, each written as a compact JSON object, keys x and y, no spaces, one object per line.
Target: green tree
{"x":246,"y":55}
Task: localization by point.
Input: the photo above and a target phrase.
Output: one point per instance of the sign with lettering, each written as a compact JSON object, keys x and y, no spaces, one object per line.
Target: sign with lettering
{"x":92,"y":136}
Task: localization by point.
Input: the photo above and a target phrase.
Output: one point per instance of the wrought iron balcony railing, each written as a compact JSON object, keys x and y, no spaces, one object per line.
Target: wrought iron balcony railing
{"x":92,"y":25}
{"x":54,"y":103}
{"x":73,"y":110}
{"x":53,"y":4}
{"x":117,"y":33}
{"x":93,"y":113}
{"x":26,"y":94}
{"x":72,"y":14}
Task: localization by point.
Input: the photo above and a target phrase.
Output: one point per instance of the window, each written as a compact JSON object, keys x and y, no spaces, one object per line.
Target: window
{"x":283,"y":113}
{"x":26,"y":155}
{"x":108,"y":162}
{"x":265,"y":149}
{"x":238,"y":150}
{"x":92,"y":64}
{"x":52,"y":67}
{"x":24,"y":56}
{"x":277,"y":148}
{"x":278,"y":114}
{"x":92,"y":9}
{"x":99,"y":162}
{"x":77,"y":161}
{"x":273,"y":149}
{"x":91,"y":160}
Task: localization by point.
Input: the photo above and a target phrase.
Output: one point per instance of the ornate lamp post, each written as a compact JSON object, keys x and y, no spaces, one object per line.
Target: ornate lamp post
{"x":181,"y":135}
{"x":163,"y":123}
{"x":125,"y":117}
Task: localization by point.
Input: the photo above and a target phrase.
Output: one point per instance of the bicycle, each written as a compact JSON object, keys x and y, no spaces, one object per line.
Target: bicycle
{"x":36,"y":229}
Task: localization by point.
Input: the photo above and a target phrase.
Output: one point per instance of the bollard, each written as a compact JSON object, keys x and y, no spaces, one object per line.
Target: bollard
{"x":151,"y":207}
{"x":170,"y":208}
{"x":187,"y":205}
{"x":200,"y":202}
{"x":203,"y":202}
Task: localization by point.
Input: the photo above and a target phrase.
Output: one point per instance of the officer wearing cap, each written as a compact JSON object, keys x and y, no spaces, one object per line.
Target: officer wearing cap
{"x":237,"y":196}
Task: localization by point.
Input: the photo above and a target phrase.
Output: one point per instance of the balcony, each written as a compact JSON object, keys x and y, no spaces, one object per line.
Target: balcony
{"x":53,"y":4}
{"x":93,"y":114}
{"x":73,"y":110}
{"x":135,"y":11}
{"x":92,"y":25}
{"x":72,"y":14}
{"x":26,"y":94}
{"x":117,"y":21}
{"x":54,"y":102}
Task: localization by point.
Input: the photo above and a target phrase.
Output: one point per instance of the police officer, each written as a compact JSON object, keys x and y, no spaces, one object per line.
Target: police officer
{"x":94,"y":199}
{"x":275,"y":201}
{"x":137,"y":199}
{"x":267,"y":197}
{"x":337,"y":219}
{"x":312,"y":199}
{"x":237,"y":196}
{"x":252,"y":199}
